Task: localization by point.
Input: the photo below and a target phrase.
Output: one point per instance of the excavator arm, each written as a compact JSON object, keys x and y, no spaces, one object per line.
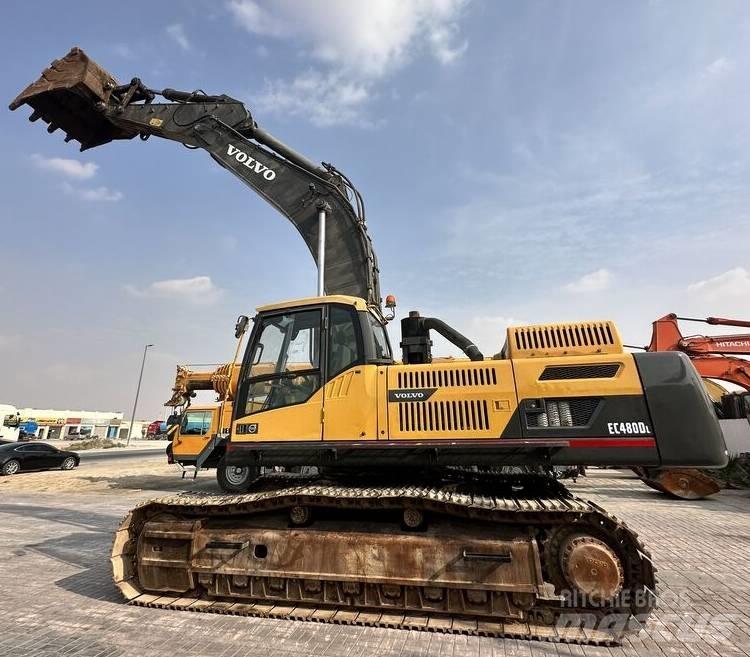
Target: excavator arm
{"x":86,"y":102}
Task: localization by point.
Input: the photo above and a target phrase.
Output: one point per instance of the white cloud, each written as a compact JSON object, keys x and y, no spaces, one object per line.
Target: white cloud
{"x":198,"y":290}
{"x":177,"y":33}
{"x":732,"y":283}
{"x":720,"y":67}
{"x":324,"y":99}
{"x":489,"y":332}
{"x":69,"y":168}
{"x":123,"y":50}
{"x":95,"y":194}
{"x":257,"y":19}
{"x":594,"y":281}
{"x":77,"y":171}
{"x":444,"y":46}
{"x":357,"y":45}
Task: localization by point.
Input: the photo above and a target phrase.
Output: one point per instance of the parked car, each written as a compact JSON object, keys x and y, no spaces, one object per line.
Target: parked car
{"x":15,"y":457}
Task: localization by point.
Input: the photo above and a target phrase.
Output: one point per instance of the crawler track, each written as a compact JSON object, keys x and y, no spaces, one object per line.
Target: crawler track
{"x":537,"y":515}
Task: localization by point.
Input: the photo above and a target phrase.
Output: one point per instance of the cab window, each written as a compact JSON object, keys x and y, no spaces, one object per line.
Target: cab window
{"x":382,"y":346}
{"x":284,"y":364}
{"x":196,"y":423}
{"x":344,"y":349}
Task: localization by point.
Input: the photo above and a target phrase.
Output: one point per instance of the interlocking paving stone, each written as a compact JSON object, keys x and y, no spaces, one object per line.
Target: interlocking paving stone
{"x":57,"y":597}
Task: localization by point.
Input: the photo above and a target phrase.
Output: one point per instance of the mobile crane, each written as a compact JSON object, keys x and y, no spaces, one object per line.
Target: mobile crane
{"x":403,"y":527}
{"x":199,"y":433}
{"x":715,"y":357}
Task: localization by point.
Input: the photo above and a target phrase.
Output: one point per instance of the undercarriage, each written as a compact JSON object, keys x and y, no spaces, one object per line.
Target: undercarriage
{"x":474,"y":553}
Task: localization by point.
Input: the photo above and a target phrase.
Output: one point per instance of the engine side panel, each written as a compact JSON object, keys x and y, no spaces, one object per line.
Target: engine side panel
{"x":459,"y":400}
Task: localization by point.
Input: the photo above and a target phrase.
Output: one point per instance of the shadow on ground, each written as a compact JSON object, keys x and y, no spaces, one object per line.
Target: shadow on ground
{"x":87,"y":550}
{"x":85,"y":519}
{"x":95,"y":581}
{"x":156,"y":483}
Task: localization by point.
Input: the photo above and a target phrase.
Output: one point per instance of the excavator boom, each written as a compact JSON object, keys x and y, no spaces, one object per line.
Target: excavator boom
{"x":79,"y":97}
{"x":666,"y":336}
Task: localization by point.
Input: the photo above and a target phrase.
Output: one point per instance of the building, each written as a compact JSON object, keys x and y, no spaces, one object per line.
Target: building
{"x":66,"y":425}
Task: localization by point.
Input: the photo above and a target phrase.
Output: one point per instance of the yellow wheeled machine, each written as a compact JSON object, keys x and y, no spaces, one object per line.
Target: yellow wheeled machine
{"x":199,"y":433}
{"x":406,"y":522}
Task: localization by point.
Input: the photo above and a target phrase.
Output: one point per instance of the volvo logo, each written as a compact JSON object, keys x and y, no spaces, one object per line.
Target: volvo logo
{"x":410,"y":395}
{"x":252,"y":164}
{"x":247,"y":428}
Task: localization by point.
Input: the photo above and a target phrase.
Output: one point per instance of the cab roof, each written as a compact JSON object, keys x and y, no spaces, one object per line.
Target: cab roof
{"x":357,"y":302}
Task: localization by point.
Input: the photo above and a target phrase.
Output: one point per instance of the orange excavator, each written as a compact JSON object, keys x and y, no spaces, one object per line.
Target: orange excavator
{"x":715,"y":357}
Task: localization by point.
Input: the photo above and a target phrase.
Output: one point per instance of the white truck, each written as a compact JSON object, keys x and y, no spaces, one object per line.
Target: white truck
{"x":10,"y":420}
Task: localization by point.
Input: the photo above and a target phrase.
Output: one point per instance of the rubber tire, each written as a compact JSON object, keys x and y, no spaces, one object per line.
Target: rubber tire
{"x":235,"y":486}
{"x":68,"y":464}
{"x":4,"y":470}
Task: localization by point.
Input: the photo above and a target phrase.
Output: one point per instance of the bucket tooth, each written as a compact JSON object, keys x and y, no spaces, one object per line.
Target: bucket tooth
{"x":72,"y":94}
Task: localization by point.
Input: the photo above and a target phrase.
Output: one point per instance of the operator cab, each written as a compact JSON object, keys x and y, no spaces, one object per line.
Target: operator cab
{"x":297,"y":347}
{"x":734,"y":406}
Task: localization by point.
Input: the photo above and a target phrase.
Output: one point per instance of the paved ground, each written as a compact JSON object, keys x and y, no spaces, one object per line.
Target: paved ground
{"x":57,"y":598}
{"x":115,"y":454}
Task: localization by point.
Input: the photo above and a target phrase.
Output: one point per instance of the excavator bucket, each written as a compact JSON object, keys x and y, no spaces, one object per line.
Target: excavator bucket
{"x":70,"y":95}
{"x":683,"y":484}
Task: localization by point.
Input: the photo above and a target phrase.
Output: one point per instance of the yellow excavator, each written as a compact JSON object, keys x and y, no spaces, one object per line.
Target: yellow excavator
{"x":407,"y":522}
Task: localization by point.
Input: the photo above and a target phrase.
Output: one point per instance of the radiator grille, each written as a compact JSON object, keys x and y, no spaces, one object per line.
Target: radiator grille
{"x":573,"y":412}
{"x":557,"y":372}
{"x":444,"y":416}
{"x":563,"y":339}
{"x":447,"y":378}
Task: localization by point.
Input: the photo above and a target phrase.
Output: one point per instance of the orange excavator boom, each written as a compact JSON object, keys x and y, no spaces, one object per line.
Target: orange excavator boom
{"x":666,"y":336}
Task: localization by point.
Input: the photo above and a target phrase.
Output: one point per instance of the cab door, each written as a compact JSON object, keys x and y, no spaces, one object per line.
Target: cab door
{"x":280,"y":397}
{"x":351,"y":385}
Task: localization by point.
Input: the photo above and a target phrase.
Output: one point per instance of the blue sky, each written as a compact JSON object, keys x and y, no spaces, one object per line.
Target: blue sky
{"x":520,"y":162}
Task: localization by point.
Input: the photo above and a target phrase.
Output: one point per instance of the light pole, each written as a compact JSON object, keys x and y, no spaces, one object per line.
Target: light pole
{"x":137,"y":392}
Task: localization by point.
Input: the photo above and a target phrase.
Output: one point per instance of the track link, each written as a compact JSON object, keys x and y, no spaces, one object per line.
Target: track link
{"x":530,"y":503}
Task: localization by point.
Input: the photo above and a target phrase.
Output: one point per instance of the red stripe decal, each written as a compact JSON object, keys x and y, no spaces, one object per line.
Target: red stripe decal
{"x":614,"y":442}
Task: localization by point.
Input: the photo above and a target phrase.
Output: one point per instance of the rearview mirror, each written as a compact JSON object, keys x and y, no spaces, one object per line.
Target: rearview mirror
{"x":241,"y":326}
